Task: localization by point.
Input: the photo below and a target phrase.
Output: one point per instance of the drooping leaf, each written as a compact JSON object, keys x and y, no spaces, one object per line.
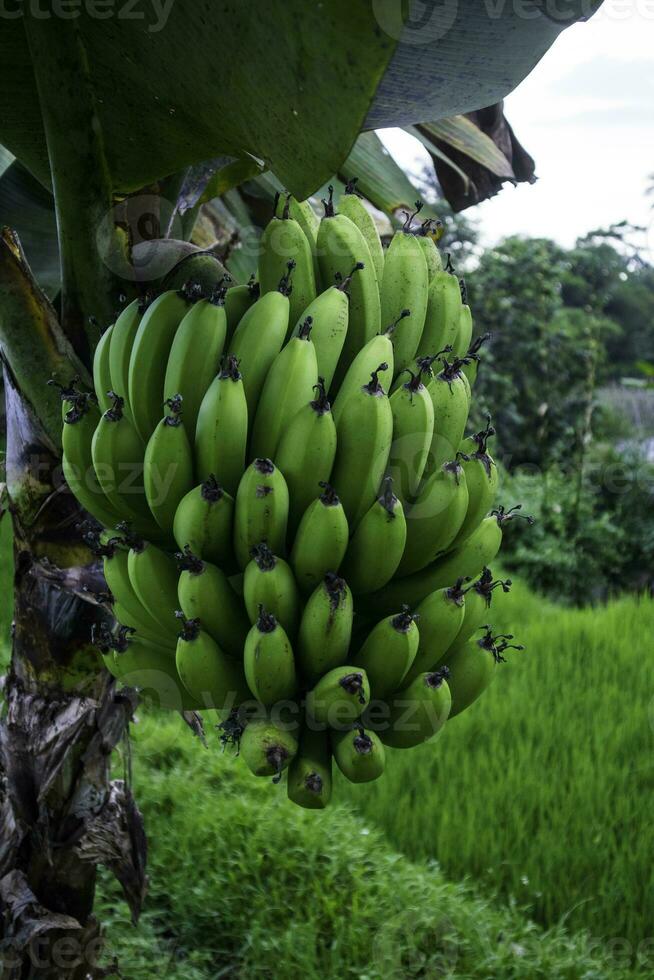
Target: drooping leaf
{"x":28,"y":208}
{"x":460,"y":133}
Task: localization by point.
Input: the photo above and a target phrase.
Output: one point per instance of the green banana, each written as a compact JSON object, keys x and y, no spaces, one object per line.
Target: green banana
{"x":352,"y":206}
{"x":80,"y":422}
{"x":259,"y":338}
{"x":389,"y":652}
{"x":302,"y":212}
{"x":425,"y":238}
{"x":306,"y":453}
{"x":450,"y":394}
{"x":434,"y":520}
{"x":477,"y":603}
{"x":238,"y":300}
{"x":153,"y":576}
{"x":194,"y":355}
{"x":473,"y":667}
{"x":359,"y":754}
{"x":268,"y":661}
{"x":364,"y":437}
{"x":405,"y":286}
{"x":339,"y":698}
{"x":464,"y":332}
{"x":310,"y":773}
{"x":268,"y":581}
{"x":206,"y":672}
{"x":413,"y":430}
{"x":482,"y":480}
{"x":325,"y":628}
{"x":377,"y":545}
{"x":168,"y":465}
{"x":149,"y":359}
{"x":204,"y":593}
{"x":340,"y":247}
{"x":441,"y":616}
{"x":288,"y":386}
{"x":203,"y":521}
{"x":283,"y":239}
{"x":329,"y":314}
{"x":127,"y":607}
{"x":101,"y":369}
{"x":222,"y":428}
{"x":321,"y":540}
{"x":466,"y":561}
{"x":120,"y":348}
{"x":443,"y":315}
{"x":418,"y":711}
{"x":150,"y":668}
{"x":377,"y":351}
{"x":118,"y":453}
{"x":260,"y":511}
{"x":267,"y":747}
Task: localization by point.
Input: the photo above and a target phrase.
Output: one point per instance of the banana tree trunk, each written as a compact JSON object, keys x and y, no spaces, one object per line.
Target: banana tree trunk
{"x":60,"y":814}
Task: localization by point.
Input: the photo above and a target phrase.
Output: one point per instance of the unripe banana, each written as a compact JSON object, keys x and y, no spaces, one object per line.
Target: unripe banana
{"x":168,"y":465}
{"x":206,"y":672}
{"x":376,"y":352}
{"x":204,"y":593}
{"x":283,"y":240}
{"x":329,"y":314}
{"x":195,"y":355}
{"x":288,"y":386}
{"x":153,"y":576}
{"x":268,"y":660}
{"x":238,"y":300}
{"x":339,"y":697}
{"x":269,"y":582}
{"x":473,"y":667}
{"x":259,"y":338}
{"x":303,"y":213}
{"x":267,"y":747}
{"x":482,"y":480}
{"x":341,"y":246}
{"x":325,"y":628}
{"x":261,"y":511}
{"x":466,"y":561}
{"x":425,"y":238}
{"x":441,"y":616}
{"x":151,"y":669}
{"x":102,"y":370}
{"x":127,"y":607}
{"x":464,"y":332}
{"x":117,"y":453}
{"x":450,"y":394}
{"x":377,"y":545}
{"x":388,"y":653}
{"x":364,"y":437}
{"x":443,"y":314}
{"x":204,"y":521}
{"x":306,"y":453}
{"x":222,"y":429}
{"x":81,"y":418}
{"x":120,"y":348}
{"x":418,"y":711}
{"x":321,"y":540}
{"x":310,"y":773}
{"x":359,"y":754}
{"x":413,"y":430}
{"x":405,"y":286}
{"x":435,"y":518}
{"x":149,"y":359}
{"x":352,"y":206}
{"x":477,"y":603}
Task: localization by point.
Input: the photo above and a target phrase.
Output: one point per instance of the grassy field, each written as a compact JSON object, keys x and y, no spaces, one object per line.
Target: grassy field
{"x":541,"y":790}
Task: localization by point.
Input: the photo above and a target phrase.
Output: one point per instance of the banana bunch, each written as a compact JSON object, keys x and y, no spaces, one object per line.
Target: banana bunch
{"x":295,"y":531}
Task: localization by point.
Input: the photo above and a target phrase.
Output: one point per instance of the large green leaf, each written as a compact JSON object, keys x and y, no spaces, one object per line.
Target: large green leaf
{"x":27,"y":207}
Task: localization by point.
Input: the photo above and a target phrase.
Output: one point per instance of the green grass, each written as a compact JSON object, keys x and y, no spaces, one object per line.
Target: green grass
{"x":542,"y":789}
{"x":245,"y":886}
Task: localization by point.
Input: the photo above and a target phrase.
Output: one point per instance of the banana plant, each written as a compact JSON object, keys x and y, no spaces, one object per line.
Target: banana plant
{"x":115,"y":120}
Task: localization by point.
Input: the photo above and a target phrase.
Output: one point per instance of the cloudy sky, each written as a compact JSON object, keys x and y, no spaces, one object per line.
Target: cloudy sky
{"x":586,"y":114}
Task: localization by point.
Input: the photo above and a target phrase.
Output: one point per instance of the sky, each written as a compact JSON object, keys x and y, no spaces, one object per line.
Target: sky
{"x":586,"y":114}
